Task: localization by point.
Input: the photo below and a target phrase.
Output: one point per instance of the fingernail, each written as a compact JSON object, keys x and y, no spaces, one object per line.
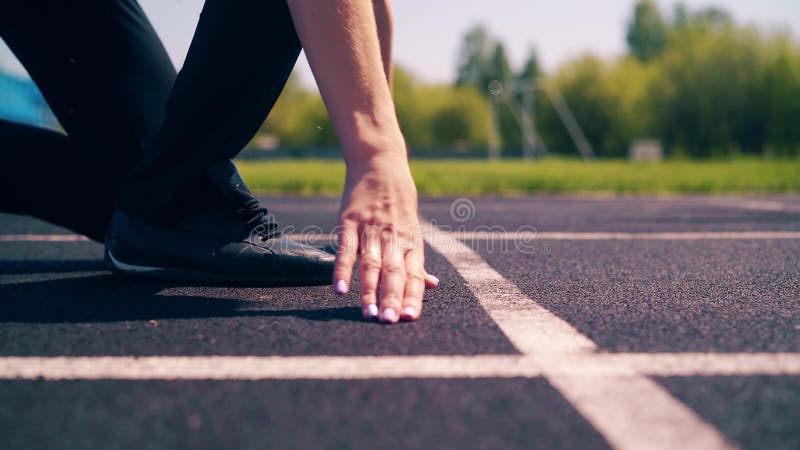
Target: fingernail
{"x":371,"y":311}
{"x":410,"y":312}
{"x":435,"y":280}
{"x":389,"y":315}
{"x":340,"y":287}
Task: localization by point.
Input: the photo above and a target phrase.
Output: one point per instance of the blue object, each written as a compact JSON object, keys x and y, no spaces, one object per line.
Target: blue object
{"x":21,"y":101}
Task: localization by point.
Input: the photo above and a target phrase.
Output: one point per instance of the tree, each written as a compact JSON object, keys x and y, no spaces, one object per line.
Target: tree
{"x":482,"y":60}
{"x":531,"y":70}
{"x":473,"y":60}
{"x":714,"y":17}
{"x":647,"y":31}
{"x":706,"y":98}
{"x":499,"y":68}
{"x":680,"y":15}
{"x":716,"y":88}
{"x":411,"y":109}
{"x":684,"y":19}
{"x":780,"y":97}
{"x":583,"y":83}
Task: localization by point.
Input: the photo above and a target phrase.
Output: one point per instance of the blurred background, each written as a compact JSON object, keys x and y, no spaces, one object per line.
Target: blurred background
{"x":552,"y":82}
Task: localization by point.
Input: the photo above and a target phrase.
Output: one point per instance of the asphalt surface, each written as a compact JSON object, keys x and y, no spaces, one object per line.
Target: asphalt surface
{"x":714,"y":295}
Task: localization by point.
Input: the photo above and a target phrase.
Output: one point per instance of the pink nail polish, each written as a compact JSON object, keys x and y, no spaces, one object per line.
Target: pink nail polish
{"x":371,"y":311}
{"x":410,"y":312}
{"x":435,"y":279}
{"x":340,"y":287}
{"x":389,"y":315}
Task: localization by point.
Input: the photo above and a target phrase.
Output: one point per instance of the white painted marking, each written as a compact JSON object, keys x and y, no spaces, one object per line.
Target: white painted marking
{"x":273,"y":367}
{"x":312,"y":237}
{"x":42,"y":238}
{"x":753,"y":204}
{"x":633,"y":412}
{"x":611,"y":236}
{"x":610,"y":390}
{"x":707,"y":364}
{"x":630,"y":411}
{"x":586,"y":236}
{"x":760,"y":205}
{"x":665,"y":236}
{"x":369,"y":367}
{"x":491,"y":235}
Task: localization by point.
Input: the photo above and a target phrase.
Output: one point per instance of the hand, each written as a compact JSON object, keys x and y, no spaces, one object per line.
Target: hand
{"x":379,"y":226}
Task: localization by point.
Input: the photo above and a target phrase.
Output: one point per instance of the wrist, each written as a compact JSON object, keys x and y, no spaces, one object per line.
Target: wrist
{"x":374,"y":140}
{"x":370,"y":158}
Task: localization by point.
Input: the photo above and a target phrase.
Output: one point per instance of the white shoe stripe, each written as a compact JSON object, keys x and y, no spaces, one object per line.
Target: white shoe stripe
{"x":130,"y":267}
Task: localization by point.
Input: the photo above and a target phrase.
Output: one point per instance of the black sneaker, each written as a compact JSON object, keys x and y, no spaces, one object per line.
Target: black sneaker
{"x":232,"y":247}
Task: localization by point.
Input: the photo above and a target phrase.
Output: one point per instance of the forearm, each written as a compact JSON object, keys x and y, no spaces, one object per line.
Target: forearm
{"x":385,"y":24}
{"x":341,"y":41}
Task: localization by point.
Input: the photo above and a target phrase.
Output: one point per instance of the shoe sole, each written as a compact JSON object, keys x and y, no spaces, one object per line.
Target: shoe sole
{"x":183,"y":274}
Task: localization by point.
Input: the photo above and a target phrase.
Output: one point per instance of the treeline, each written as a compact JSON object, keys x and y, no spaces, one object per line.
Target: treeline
{"x":702,"y":84}
{"x":431,"y":115}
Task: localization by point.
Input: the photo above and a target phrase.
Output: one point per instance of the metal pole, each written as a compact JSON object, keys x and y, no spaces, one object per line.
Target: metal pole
{"x":529,"y":146}
{"x":531,"y":108}
{"x":574,"y":130}
{"x":494,"y":130}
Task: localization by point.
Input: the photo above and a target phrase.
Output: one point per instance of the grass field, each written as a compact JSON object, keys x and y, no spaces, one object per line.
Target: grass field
{"x":514,"y":177}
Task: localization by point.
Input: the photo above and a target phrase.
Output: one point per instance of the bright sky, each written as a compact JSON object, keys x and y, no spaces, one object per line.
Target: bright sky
{"x":428,"y":32}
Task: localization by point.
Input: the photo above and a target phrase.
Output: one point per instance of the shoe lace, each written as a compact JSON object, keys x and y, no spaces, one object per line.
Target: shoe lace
{"x":258,"y":220}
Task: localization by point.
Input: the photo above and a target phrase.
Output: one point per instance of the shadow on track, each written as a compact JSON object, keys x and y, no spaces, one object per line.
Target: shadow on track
{"x":105,"y":298}
{"x":14,"y":267}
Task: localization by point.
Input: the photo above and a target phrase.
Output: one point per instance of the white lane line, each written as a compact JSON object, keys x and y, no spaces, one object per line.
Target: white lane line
{"x":610,"y":236}
{"x":706,"y":364}
{"x":630,"y":411}
{"x":371,"y":367}
{"x":491,"y":235}
{"x":558,"y":236}
{"x":633,"y":412}
{"x":42,"y":238}
{"x":271,"y":367}
{"x":754,"y":205}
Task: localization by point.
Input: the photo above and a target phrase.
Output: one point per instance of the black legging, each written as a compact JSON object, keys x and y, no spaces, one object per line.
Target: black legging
{"x":136,"y":133}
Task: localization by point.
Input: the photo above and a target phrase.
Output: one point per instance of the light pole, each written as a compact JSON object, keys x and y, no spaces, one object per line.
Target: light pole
{"x":524,"y":113}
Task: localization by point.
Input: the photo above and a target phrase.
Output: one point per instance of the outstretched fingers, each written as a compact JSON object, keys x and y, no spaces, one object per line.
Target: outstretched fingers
{"x":393,"y":275}
{"x":431,"y":282}
{"x":415,"y":283}
{"x":369,"y":271}
{"x":346,"y":255}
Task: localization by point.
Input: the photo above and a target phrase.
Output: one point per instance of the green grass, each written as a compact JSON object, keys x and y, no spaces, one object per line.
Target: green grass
{"x":515,"y":177}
